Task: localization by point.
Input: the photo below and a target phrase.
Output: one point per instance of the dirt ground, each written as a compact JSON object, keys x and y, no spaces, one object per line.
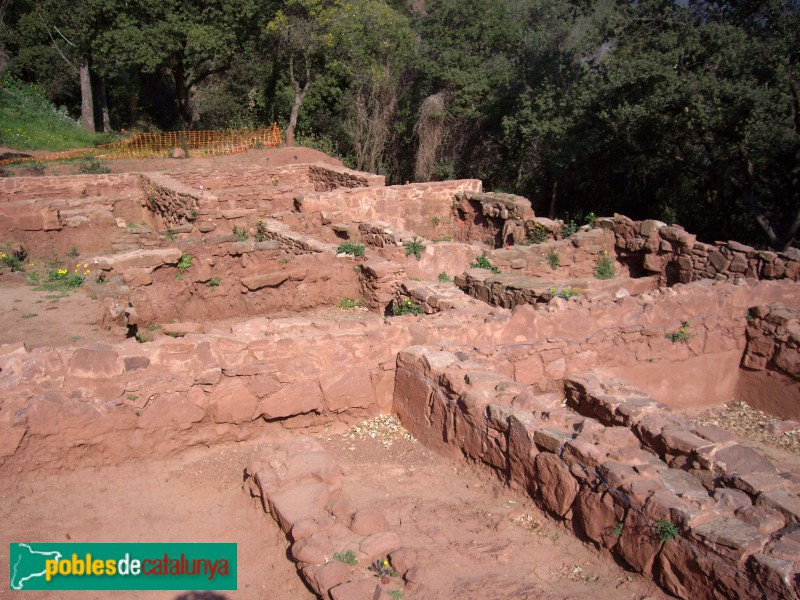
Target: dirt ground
{"x":482,"y":540}
{"x":480,"y":536}
{"x":275,"y":157}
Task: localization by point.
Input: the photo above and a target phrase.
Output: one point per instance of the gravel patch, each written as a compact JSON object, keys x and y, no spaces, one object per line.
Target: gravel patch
{"x":385,"y":428}
{"x":743,"y":420}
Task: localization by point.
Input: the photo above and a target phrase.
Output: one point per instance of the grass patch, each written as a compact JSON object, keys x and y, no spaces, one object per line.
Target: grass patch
{"x":415,"y":247}
{"x":350,"y":248}
{"x":681,"y":335}
{"x":350,"y":304}
{"x":30,"y":315}
{"x":605,"y":268}
{"x":348,"y":558}
{"x":406,"y":307}
{"x":28,"y":121}
{"x":482,"y":262}
{"x":444,"y":277}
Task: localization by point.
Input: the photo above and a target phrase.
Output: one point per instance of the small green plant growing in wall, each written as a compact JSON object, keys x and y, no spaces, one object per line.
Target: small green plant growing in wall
{"x":665,"y":530}
{"x":444,"y":277}
{"x":539,"y":233}
{"x":11,"y":260}
{"x":565,"y":293}
{"x":414,"y":247}
{"x":350,"y":303}
{"x":604,"y":268}
{"x":482,"y":262}
{"x":350,"y":248}
{"x":261,"y":231}
{"x":381,"y":568}
{"x":618,"y":529}
{"x":681,"y":334}
{"x":73,"y":252}
{"x":213,"y":282}
{"x":406,"y":307}
{"x":240,"y":233}
{"x":435,"y":221}
{"x":553,"y":259}
{"x":348,"y":558}
{"x":184,"y":263}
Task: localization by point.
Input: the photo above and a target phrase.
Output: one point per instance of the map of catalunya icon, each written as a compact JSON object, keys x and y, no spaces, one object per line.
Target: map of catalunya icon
{"x":29,"y":564}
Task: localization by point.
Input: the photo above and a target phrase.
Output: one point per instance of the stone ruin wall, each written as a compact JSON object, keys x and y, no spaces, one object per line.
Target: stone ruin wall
{"x":770,"y":375}
{"x":423,"y":208}
{"x":677,"y":257}
{"x":614,"y":462}
{"x":68,"y":402}
{"x":594,"y":472}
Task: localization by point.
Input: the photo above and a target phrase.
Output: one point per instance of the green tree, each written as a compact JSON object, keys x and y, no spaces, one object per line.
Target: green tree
{"x":692,"y":117}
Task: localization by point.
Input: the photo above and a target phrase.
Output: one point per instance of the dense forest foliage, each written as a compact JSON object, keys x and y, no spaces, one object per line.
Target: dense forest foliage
{"x":687,"y":111}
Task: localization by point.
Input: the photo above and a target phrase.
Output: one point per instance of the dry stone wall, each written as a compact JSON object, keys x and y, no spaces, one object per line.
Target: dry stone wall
{"x":422,"y":208}
{"x":659,"y":519}
{"x":677,"y":256}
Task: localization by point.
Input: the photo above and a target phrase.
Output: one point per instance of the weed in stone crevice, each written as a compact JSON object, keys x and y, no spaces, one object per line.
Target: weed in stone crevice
{"x":350,"y":303}
{"x":406,"y":307}
{"x":604,"y":268}
{"x":482,"y":262}
{"x":681,"y":334}
{"x":553,"y":259}
{"x":184,"y":262}
{"x":213,"y":282}
{"x":665,"y":530}
{"x":348,"y":558}
{"x":444,"y":277}
{"x":414,"y":247}
{"x":240,"y":233}
{"x":381,"y":568}
{"x":351,"y":248}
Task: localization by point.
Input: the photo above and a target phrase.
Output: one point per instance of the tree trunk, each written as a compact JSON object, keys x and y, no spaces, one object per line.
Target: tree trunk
{"x":182,"y":94}
{"x":552,"y":213}
{"x":102,"y":102}
{"x":299,"y":96}
{"x":298,"y":101}
{"x":87,"y":103}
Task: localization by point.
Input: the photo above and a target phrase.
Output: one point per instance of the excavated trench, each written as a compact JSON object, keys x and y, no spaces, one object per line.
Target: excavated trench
{"x":573,"y":400}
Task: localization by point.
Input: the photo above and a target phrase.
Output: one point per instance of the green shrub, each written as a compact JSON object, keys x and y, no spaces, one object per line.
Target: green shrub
{"x":569,"y":228}
{"x":213,"y":282}
{"x":565,"y":293}
{"x":605,"y":268}
{"x":553,"y":259}
{"x":350,"y":303}
{"x":240,"y":233}
{"x":184,"y":262}
{"x":406,"y":307}
{"x":444,"y":277}
{"x":11,"y":260}
{"x":261,"y":231}
{"x":482,"y":262}
{"x":539,"y":233}
{"x":92,"y":166}
{"x":348,"y":558}
{"x":681,"y":335}
{"x":350,"y":248}
{"x":665,"y":530}
{"x":414,"y":247}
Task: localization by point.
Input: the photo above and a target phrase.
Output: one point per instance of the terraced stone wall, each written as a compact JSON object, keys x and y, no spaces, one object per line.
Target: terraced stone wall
{"x":624,"y":476}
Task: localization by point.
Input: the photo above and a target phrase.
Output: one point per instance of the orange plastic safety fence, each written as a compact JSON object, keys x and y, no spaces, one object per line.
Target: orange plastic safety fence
{"x":152,"y":145}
